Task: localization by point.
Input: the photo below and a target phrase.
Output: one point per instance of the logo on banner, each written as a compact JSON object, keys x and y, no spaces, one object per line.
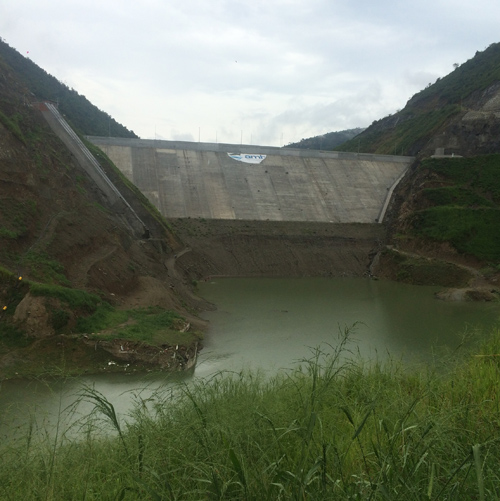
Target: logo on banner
{"x":247,"y":157}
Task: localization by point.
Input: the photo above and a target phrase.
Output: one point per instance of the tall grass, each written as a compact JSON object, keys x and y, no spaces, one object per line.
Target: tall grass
{"x":331,"y":428}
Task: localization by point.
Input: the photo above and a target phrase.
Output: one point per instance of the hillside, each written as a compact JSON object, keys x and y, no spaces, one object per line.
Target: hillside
{"x":444,"y":218}
{"x":327,"y":141}
{"x":79,"y":111}
{"x":69,"y":262}
{"x":447,"y":211}
{"x":460,"y":113}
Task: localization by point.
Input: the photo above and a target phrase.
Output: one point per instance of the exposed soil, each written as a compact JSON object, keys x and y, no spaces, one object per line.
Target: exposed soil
{"x":57,"y":227}
{"x":276,"y":249}
{"x":76,"y":355}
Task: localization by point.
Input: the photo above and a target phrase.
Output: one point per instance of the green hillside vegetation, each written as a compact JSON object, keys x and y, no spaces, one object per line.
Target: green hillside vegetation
{"x":78,"y":110}
{"x":326,"y":141}
{"x":465,"y":208}
{"x":412,"y":130}
{"x":408,"y":130}
{"x":339,"y":429}
{"x":476,"y":74}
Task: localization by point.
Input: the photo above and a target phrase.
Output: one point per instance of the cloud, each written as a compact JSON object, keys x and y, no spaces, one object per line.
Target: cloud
{"x":232,"y":69}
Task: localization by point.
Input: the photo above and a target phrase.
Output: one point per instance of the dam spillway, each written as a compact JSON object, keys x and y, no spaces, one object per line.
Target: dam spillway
{"x":247,"y":182}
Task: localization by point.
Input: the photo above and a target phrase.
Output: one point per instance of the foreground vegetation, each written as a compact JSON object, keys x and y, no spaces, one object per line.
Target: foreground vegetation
{"x":332,"y":428}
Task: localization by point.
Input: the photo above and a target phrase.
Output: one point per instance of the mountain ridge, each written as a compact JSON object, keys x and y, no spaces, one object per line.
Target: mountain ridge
{"x":459,"y":112}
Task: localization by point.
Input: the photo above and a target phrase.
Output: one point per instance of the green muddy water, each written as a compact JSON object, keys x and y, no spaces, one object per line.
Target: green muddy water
{"x":271,"y":324}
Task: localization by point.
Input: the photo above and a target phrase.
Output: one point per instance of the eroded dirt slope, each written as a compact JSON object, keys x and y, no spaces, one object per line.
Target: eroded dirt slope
{"x":56,"y":228}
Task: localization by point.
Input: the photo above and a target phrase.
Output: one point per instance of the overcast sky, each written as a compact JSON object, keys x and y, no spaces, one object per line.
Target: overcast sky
{"x":265,"y":72}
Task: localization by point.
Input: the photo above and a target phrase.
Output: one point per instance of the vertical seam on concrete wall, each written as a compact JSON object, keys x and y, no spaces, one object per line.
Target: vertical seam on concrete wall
{"x":389,"y":196}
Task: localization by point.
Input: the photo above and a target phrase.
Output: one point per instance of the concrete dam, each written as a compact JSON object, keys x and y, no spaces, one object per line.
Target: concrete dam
{"x":258,"y":183}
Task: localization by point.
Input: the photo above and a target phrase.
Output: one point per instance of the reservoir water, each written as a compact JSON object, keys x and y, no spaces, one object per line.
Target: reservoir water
{"x":272,"y":324}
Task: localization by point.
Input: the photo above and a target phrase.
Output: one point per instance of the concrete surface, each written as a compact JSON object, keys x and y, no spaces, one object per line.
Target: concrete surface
{"x":91,"y":166}
{"x":200,"y":180}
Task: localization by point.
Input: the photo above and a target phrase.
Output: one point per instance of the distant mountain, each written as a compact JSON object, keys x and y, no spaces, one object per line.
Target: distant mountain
{"x":77,"y":109}
{"x":327,"y":141}
{"x":459,"y":113}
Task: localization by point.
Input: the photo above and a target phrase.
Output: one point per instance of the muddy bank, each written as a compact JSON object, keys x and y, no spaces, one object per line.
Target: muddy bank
{"x":125,"y":352}
{"x":73,"y":355}
{"x":275,"y":249}
{"x":469,"y":294}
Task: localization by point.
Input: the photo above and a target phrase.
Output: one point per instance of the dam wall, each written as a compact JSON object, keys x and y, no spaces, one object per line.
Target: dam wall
{"x":260,"y":183}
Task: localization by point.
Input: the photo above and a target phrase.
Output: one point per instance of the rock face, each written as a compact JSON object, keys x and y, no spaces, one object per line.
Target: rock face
{"x":476,"y":130}
{"x":469,"y":294}
{"x":31,"y":314}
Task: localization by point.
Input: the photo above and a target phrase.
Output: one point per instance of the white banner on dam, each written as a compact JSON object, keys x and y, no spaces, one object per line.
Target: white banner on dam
{"x":249,"y":158}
